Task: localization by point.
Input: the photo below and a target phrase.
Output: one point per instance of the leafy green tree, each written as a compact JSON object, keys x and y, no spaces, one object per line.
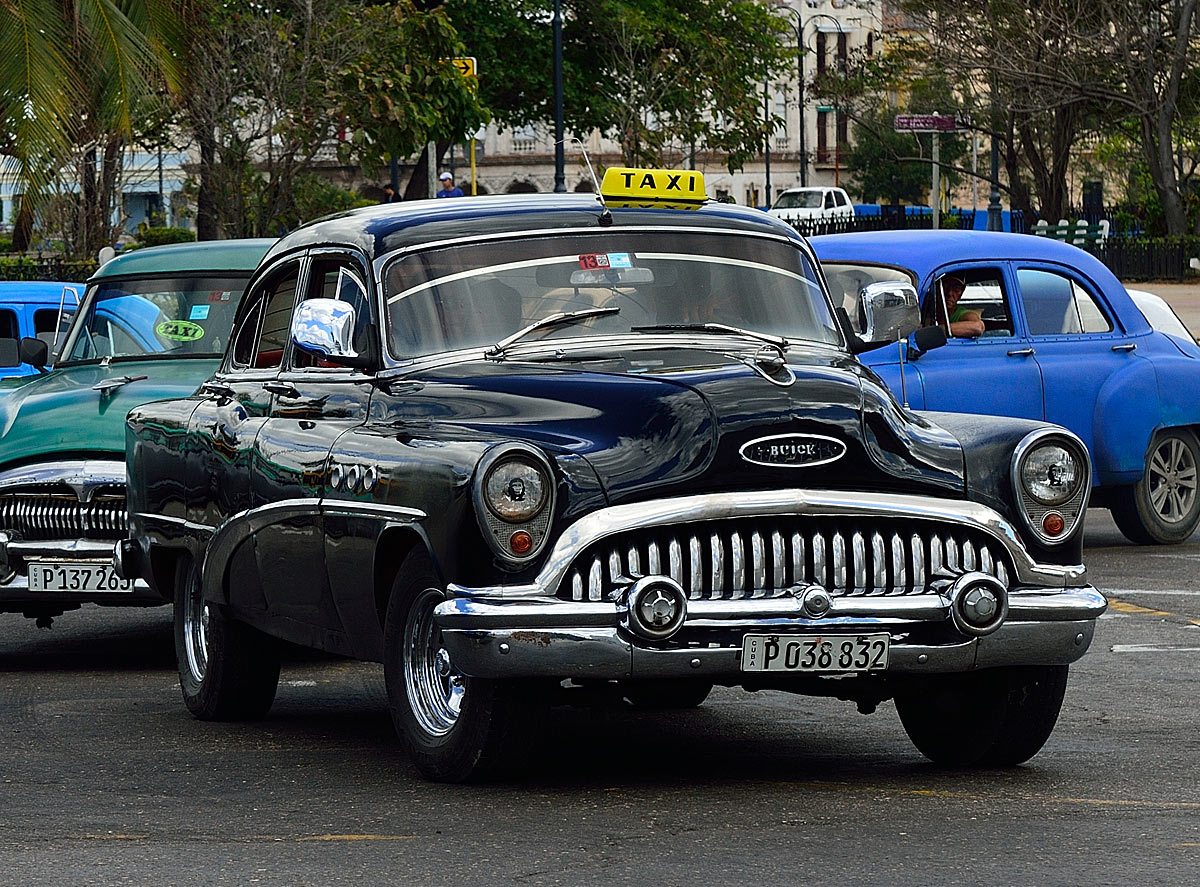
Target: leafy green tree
{"x":75,"y":75}
{"x":660,"y":76}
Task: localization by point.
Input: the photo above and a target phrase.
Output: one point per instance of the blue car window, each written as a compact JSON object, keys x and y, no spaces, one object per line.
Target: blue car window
{"x":1056,"y":305}
{"x":983,"y":295}
{"x":8,"y":324}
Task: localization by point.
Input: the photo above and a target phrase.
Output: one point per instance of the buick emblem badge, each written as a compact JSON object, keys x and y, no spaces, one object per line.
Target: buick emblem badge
{"x":793,"y":450}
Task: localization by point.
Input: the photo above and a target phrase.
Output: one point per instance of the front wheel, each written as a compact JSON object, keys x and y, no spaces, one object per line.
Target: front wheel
{"x":997,"y":717}
{"x":1163,"y":507}
{"x":454,"y":727}
{"x":228,"y":671}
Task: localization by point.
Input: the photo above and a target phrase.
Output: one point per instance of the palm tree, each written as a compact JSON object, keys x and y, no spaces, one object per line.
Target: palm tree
{"x":73,"y":72}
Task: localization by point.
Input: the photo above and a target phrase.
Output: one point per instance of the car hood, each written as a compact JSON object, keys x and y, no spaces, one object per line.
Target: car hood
{"x":61,"y":412}
{"x":677,"y":421}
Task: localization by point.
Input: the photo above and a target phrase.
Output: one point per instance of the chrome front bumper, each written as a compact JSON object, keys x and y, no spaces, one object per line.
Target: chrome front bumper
{"x":551,"y":638}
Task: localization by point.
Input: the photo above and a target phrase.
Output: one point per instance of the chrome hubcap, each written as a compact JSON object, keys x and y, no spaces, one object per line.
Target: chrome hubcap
{"x":1171,"y":480}
{"x":195,"y":631}
{"x":435,"y":689}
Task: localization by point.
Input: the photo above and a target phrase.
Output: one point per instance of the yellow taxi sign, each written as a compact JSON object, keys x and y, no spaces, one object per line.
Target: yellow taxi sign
{"x":625,"y":186}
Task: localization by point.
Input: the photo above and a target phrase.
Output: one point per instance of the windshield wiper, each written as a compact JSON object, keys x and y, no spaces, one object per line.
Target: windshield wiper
{"x":776,"y":341}
{"x":562,"y":317}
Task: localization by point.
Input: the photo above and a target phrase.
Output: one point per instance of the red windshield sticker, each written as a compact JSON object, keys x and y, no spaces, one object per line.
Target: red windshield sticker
{"x":594,"y":260}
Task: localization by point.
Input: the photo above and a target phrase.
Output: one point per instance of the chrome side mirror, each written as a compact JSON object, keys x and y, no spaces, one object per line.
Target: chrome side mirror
{"x":889,"y":311}
{"x":325,"y":328}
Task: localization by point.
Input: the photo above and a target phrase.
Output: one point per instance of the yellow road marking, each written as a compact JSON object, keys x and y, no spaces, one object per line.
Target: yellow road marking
{"x":1125,"y":607}
{"x":1044,"y":799}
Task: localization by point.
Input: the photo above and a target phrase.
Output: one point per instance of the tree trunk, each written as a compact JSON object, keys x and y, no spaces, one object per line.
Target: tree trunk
{"x":418,"y":183}
{"x":206,"y":209}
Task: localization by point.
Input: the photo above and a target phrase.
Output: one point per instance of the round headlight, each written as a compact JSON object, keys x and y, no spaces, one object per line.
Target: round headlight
{"x":1051,"y":474}
{"x":516,"y":491}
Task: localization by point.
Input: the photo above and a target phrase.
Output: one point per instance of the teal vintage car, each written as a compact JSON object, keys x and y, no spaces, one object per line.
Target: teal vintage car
{"x":152,"y":324}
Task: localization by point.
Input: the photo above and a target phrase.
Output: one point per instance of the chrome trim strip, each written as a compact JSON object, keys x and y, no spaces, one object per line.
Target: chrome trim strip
{"x":235,"y":529}
{"x":79,"y":474}
{"x":1038,"y":605}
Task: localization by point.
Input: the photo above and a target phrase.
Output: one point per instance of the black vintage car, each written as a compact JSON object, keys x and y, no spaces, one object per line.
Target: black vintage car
{"x":522,"y":447}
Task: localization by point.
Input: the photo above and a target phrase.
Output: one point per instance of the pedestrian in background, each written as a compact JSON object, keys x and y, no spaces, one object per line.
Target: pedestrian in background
{"x":449,"y":189}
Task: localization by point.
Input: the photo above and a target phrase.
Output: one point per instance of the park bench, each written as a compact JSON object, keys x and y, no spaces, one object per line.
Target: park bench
{"x":1079,"y":233}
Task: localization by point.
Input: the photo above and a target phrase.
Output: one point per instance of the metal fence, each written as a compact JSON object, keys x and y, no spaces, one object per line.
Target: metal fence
{"x":1128,"y":256}
{"x":23,"y":267}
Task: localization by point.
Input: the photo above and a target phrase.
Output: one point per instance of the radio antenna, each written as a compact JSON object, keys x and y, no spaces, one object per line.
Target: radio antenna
{"x":605,"y":214}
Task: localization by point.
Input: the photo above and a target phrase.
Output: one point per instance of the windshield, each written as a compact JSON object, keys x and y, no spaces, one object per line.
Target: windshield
{"x":475,"y":295}
{"x":800,"y":200}
{"x":159,"y":317}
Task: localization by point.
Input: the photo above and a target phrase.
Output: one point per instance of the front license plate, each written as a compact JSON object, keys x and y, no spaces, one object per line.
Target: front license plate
{"x":60,"y":576}
{"x":810,"y":652}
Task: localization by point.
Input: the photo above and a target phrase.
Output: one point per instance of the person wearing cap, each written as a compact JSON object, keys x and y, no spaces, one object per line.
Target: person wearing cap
{"x":448,"y":187}
{"x":964,"y":323}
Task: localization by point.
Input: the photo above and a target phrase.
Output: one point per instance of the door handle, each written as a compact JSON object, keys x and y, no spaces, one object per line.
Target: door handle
{"x":283,"y":389}
{"x":220,"y":389}
{"x":1021,"y":352}
{"x":1126,"y":346}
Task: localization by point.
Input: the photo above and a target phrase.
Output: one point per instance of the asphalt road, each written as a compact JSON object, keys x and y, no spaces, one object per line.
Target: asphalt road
{"x":105,"y":779}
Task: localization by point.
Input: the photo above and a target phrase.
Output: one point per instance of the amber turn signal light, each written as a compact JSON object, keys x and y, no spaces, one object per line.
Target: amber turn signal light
{"x":1053,"y":524}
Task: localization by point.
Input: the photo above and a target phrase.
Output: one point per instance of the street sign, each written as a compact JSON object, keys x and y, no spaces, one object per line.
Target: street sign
{"x":925,"y":123}
{"x":466,"y":66}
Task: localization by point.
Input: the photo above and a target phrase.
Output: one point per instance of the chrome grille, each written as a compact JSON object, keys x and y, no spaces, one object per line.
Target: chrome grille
{"x":39,"y":516}
{"x":753,"y":558}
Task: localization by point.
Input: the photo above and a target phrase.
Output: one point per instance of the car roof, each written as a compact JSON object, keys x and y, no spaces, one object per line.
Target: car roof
{"x":924,"y":252}
{"x":209,"y":255}
{"x":379,"y":230}
{"x":41,"y":292}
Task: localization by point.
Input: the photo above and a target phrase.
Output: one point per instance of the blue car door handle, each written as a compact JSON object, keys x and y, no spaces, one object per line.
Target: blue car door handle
{"x":1125,"y":346}
{"x":1021,"y":352}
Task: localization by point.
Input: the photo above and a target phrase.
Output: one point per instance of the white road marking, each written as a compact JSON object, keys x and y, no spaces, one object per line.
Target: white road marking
{"x":1122,"y":592}
{"x":1152,"y":648}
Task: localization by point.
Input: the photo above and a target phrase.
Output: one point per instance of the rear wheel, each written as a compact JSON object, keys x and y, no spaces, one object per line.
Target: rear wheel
{"x":1164,"y":506}
{"x":453,"y":726}
{"x":997,"y":717}
{"x":228,"y":671}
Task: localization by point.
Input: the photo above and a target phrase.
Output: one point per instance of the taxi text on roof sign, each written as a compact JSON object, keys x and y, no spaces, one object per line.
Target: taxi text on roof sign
{"x":647,"y":188}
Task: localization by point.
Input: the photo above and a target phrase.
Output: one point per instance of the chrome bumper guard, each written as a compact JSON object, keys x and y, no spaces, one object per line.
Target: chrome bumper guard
{"x":593,"y":640}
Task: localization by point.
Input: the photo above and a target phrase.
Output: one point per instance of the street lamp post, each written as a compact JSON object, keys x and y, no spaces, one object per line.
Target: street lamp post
{"x":560,"y":177}
{"x":798,"y":27}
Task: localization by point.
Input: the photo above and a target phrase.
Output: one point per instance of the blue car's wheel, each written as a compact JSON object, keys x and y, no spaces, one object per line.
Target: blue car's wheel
{"x":1164,"y":506}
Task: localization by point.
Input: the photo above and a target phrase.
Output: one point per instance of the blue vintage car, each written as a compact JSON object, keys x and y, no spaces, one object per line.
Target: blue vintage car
{"x":35,"y":309}
{"x":1043,"y":330}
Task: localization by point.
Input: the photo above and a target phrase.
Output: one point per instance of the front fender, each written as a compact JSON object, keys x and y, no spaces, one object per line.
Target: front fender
{"x":988,"y":443}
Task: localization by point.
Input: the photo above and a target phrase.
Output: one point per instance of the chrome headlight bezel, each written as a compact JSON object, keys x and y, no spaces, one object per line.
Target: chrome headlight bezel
{"x":498,"y":529}
{"x":1034,"y":505}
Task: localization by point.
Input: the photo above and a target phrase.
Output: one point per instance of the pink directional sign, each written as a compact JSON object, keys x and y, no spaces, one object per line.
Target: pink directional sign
{"x":925,"y":123}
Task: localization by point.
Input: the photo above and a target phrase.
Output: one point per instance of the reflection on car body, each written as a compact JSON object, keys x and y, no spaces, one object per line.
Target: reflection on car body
{"x":548,"y":446}
{"x":1064,"y":342}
